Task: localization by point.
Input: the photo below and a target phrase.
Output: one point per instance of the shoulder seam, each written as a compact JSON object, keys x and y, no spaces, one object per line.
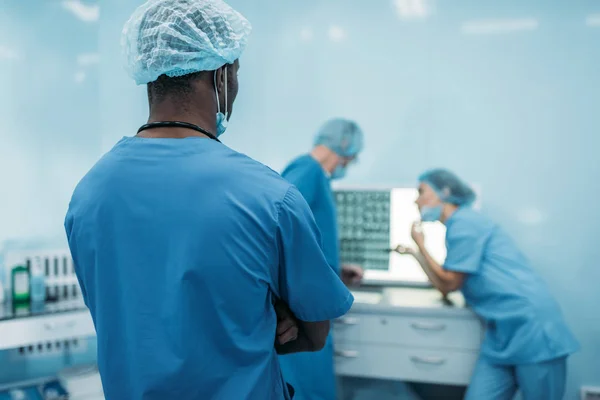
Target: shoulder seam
{"x":280,"y":202}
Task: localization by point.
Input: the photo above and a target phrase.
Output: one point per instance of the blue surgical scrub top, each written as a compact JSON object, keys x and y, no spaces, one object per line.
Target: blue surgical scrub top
{"x":312,"y":374}
{"x":311,"y":180}
{"x":181,"y":247}
{"x":524,"y":323}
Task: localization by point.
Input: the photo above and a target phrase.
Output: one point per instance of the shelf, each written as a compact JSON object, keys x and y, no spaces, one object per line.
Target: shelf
{"x":49,"y":322}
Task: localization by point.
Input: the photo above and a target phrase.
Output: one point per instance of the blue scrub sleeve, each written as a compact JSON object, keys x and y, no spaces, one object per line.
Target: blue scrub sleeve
{"x":465,"y":246}
{"x":69,"y":229}
{"x":305,"y":179}
{"x":307,"y":284}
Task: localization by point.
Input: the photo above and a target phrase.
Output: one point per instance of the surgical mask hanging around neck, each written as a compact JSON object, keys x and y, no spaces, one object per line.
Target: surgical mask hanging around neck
{"x":221,"y":118}
{"x":431,"y":214}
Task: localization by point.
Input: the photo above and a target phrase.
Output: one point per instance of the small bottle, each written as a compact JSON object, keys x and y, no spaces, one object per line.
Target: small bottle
{"x":38,"y":285}
{"x":51,"y":281}
{"x":20,"y":284}
{"x":1,"y":293}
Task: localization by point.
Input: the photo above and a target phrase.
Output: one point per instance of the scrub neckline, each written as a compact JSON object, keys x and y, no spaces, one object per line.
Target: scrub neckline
{"x":451,"y":219}
{"x":326,"y":174}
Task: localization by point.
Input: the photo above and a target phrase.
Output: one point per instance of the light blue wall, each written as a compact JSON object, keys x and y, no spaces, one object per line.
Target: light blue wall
{"x":49,"y":136}
{"x":512,"y":111}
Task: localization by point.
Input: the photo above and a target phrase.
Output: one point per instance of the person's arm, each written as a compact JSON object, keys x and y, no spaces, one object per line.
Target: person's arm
{"x":294,"y":336}
{"x":465,"y":244}
{"x":307,"y":284}
{"x":304,"y":342}
{"x":287,"y":325}
{"x":351,"y":274}
{"x":444,"y":281}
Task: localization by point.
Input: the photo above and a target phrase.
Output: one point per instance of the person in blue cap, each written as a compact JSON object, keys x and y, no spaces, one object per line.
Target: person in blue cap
{"x":337,"y":145}
{"x":199,"y":265}
{"x":526,"y":342}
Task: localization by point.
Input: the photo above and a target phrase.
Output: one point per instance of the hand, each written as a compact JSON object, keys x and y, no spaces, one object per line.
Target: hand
{"x":287,"y":325}
{"x":401,"y":249}
{"x":417,"y":234}
{"x":352,"y":274}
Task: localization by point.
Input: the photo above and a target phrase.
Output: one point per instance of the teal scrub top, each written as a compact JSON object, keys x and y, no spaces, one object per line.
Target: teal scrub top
{"x":312,"y":374}
{"x":311,"y":180}
{"x":523,"y":322}
{"x":181,"y":247}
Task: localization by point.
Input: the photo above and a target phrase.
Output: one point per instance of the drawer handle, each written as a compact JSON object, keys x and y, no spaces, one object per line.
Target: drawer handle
{"x":346,"y":353}
{"x":346,"y":321}
{"x":51,"y":326}
{"x":428,"y":327}
{"x":428,"y":360}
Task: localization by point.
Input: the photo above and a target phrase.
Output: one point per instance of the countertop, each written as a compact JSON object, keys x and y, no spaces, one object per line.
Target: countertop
{"x":413,"y":301}
{"x":388,"y":300}
{"x":10,"y":312}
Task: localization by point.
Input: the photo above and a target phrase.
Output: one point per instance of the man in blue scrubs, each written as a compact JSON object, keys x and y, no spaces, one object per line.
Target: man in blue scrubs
{"x":526,"y":342}
{"x":337,"y":144}
{"x":189,"y":254}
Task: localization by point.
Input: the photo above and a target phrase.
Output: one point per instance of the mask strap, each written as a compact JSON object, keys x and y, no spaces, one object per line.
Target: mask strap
{"x":226,"y":110}
{"x":217,"y":93}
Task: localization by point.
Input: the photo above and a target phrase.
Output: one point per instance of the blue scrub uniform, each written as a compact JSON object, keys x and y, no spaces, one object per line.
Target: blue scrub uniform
{"x":312,"y":374}
{"x":181,"y":247}
{"x":526,"y":337}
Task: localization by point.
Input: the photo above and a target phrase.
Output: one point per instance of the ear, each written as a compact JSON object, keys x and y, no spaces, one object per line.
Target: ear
{"x":220,"y":79}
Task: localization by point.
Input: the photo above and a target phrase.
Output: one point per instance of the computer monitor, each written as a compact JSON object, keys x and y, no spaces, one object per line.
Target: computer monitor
{"x":374,"y":220}
{"x":403,"y":214}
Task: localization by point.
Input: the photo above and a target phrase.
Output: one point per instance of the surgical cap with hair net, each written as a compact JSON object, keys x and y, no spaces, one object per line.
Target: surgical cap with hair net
{"x":449,"y":187}
{"x":179,"y":37}
{"x":342,"y":136}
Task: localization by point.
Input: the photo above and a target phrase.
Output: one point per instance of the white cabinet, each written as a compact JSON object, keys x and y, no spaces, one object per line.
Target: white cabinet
{"x":462,"y":334}
{"x":431,"y":345}
{"x":25,"y":331}
{"x":405,"y":364}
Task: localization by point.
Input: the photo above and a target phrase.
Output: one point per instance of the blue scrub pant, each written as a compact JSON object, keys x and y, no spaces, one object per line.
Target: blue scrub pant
{"x":544,"y":380}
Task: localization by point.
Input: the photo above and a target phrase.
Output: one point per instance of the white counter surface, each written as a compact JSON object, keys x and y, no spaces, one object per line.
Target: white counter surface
{"x":423,"y":302}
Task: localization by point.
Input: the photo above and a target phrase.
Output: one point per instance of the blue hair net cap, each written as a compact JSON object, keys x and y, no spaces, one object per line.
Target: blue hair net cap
{"x":449,"y":187}
{"x":179,"y":37}
{"x":342,"y":136}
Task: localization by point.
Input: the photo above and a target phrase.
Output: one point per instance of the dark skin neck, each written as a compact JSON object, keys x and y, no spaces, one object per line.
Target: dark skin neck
{"x":198,"y":108}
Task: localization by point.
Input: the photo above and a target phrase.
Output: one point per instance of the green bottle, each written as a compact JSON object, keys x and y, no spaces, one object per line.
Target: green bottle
{"x":20,"y":284}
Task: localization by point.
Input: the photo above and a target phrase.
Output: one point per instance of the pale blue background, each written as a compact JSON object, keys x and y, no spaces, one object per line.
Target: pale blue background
{"x":49,"y":137}
{"x":514,"y":112}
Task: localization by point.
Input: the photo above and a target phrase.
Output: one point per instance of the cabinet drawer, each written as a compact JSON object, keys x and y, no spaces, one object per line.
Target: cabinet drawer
{"x":463,"y":334}
{"x":405,"y":364}
{"x":26,"y":331}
